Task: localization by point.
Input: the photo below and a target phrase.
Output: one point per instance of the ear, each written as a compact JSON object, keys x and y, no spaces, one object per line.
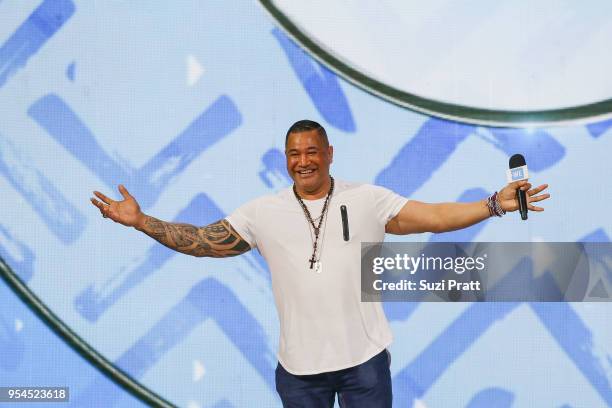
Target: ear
{"x":330,"y":152}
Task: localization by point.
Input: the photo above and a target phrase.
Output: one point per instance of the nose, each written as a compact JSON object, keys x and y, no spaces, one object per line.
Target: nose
{"x":304,"y":160}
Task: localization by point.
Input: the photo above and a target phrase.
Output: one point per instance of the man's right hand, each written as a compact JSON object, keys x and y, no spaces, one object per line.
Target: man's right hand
{"x":126,"y":212}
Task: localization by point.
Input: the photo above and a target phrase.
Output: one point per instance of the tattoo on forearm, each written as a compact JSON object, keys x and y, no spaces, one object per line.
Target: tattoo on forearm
{"x":216,"y":240}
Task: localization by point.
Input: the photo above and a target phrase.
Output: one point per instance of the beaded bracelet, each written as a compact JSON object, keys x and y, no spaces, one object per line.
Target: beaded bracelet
{"x":494,"y":206}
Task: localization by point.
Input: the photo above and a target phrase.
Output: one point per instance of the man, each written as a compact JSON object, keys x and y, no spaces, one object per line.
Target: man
{"x":330,"y":342}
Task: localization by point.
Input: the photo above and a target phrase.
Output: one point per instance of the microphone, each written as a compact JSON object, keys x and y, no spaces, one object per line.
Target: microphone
{"x":345,"y":227}
{"x":518,"y":171}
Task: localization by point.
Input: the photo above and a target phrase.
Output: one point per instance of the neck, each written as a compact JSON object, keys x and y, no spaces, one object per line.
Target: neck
{"x":321,"y":192}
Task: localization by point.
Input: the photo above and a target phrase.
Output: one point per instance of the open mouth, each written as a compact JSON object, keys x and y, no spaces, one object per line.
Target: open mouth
{"x":305,"y":173}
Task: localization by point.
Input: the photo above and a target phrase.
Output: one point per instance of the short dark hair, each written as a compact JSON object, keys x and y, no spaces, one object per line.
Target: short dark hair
{"x":304,"y":126}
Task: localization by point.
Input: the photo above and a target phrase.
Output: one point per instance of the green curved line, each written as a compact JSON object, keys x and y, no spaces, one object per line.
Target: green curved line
{"x":108,"y":369}
{"x":489,"y":117}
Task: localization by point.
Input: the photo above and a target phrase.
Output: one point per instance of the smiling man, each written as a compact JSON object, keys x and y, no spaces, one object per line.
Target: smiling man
{"x":309,"y":156}
{"x":331,"y":343}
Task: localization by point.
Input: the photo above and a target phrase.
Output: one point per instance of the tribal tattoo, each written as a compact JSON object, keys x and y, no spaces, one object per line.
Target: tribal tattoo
{"x":217,"y":240}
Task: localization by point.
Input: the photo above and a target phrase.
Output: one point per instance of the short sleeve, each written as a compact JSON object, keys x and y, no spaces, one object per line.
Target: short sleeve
{"x":387,"y":203}
{"x":244,"y":220}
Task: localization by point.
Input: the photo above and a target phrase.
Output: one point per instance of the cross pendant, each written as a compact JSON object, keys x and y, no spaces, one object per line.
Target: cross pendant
{"x":312,"y":262}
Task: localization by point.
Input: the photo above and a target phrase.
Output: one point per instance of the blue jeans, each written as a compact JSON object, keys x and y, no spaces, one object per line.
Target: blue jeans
{"x":367,"y":385}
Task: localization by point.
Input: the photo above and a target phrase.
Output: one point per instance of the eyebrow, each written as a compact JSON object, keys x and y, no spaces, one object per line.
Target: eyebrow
{"x":307,"y":149}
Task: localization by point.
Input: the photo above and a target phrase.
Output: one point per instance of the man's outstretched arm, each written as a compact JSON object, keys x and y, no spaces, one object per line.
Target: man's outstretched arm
{"x":218,"y":239}
{"x":417,"y":216}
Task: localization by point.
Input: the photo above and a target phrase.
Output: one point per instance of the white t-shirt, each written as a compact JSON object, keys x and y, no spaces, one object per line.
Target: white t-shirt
{"x":324,"y":326}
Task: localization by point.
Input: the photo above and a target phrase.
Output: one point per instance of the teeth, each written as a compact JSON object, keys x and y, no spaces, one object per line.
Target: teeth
{"x":305,"y":171}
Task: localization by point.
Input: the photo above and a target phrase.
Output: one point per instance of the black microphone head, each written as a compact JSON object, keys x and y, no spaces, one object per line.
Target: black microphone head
{"x":517,"y":160}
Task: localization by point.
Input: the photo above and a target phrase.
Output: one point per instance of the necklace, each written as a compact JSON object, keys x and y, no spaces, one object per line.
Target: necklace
{"x":316,"y":228}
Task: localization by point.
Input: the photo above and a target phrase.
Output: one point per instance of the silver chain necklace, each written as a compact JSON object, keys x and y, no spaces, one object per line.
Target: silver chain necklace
{"x":316,"y":228}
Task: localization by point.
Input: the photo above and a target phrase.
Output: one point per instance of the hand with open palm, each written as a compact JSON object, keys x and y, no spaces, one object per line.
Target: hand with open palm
{"x":126,"y":212}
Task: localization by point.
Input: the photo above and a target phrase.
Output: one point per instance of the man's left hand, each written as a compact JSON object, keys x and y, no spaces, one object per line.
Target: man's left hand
{"x":507,"y":196}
